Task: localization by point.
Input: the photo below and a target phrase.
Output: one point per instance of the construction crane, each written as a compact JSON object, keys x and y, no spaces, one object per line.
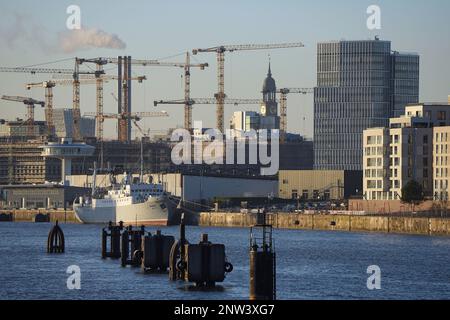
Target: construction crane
{"x":283,"y":107}
{"x":187,"y":65}
{"x":30,"y":103}
{"x":135,"y":116}
{"x":220,"y":51}
{"x":99,"y":81}
{"x":76,"y":86}
{"x":193,"y":101}
{"x":209,"y":101}
{"x":48,"y":86}
{"x":283,"y":104}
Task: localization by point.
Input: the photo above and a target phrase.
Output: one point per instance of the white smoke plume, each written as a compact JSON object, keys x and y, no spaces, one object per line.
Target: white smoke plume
{"x":86,"y":38}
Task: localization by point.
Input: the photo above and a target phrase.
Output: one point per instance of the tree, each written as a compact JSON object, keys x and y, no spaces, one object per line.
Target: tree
{"x":412,"y":193}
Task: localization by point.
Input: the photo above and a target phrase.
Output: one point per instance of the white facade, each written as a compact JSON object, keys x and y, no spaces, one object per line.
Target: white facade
{"x":403,"y":152}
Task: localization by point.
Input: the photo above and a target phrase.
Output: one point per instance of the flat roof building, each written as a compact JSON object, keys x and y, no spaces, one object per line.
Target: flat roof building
{"x":360,"y":85}
{"x":404,"y":151}
{"x":319,"y":184}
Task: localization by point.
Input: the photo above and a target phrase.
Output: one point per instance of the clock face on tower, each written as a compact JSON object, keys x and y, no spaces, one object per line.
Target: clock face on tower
{"x":263,"y":110}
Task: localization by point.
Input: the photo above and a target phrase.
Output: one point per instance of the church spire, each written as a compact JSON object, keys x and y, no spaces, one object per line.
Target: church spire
{"x":269,"y":73}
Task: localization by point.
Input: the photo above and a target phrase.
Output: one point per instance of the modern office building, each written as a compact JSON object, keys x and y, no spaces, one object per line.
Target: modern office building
{"x":413,"y":147}
{"x":360,"y":85}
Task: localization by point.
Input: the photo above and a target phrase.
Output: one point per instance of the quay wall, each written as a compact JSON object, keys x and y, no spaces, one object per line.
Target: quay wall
{"x":381,"y":224}
{"x":55,"y":215}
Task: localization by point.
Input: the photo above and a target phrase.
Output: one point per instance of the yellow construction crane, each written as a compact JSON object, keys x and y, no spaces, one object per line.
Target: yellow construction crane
{"x":283,"y":104}
{"x":220,"y":51}
{"x":99,"y":81}
{"x":48,"y":86}
{"x":30,"y":103}
{"x":134,"y":116}
{"x":76,"y":86}
{"x":187,"y":65}
{"x":283,"y":107}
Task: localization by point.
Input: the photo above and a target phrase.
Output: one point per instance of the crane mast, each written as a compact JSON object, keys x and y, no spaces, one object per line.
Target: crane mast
{"x":48,"y":86}
{"x":126,"y":62}
{"x":283,"y":107}
{"x":49,"y":95}
{"x":30,"y":103}
{"x":220,"y":52}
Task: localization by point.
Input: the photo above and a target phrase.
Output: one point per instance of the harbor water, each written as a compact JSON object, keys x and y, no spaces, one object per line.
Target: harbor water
{"x":310,"y":265}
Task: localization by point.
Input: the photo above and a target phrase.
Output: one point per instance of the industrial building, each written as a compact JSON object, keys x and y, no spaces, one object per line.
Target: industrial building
{"x":413,"y":147}
{"x":360,"y":85}
{"x":319,"y":184}
{"x":43,"y":196}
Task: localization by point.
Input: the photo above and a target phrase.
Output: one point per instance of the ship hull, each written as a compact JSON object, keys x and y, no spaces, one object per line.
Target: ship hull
{"x":154,"y":212}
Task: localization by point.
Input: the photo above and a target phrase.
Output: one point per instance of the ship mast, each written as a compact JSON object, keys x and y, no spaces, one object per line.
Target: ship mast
{"x":94,"y":179}
{"x":141,"y":177}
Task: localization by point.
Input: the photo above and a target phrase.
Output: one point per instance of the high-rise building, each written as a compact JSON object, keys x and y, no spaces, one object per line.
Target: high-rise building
{"x":360,"y":84}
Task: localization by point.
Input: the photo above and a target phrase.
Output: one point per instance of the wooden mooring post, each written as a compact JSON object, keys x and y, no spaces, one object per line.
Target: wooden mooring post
{"x":113,"y":233}
{"x":130,"y":250}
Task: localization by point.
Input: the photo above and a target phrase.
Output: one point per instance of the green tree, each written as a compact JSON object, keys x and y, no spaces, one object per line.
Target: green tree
{"x":412,"y":193}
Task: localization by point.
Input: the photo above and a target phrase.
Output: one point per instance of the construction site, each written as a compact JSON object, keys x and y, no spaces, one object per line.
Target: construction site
{"x":22,"y":140}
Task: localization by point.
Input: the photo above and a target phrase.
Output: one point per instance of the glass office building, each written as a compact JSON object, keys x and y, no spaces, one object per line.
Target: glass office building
{"x":360,"y":84}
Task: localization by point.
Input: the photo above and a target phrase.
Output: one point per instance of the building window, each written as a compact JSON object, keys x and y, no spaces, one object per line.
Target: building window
{"x":316,"y":195}
{"x":305,"y":195}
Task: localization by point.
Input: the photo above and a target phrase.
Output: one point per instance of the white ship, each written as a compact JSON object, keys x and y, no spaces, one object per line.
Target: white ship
{"x":132,"y":203}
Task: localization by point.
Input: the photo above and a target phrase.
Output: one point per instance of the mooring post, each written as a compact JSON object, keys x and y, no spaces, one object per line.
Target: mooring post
{"x":262,"y":261}
{"x":124,"y":248}
{"x":104,"y":243}
{"x":55,"y":241}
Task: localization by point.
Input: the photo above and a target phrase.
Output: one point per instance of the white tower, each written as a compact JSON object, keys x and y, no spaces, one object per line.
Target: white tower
{"x":66,"y":151}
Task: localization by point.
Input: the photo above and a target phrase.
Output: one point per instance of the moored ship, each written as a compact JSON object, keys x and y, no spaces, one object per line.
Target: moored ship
{"x":132,"y":203}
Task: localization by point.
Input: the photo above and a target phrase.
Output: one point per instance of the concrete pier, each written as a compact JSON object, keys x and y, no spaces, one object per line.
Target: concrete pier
{"x":62,"y":216}
{"x":381,"y":224}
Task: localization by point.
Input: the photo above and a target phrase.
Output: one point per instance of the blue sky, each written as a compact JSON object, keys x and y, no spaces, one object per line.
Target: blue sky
{"x":160,"y":29}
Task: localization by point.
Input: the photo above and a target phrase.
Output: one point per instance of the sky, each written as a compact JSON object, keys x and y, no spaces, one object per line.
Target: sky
{"x":35,"y":32}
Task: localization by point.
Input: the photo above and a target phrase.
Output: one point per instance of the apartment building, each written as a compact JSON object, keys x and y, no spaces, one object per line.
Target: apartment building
{"x":412,"y":148}
{"x":441,"y":163}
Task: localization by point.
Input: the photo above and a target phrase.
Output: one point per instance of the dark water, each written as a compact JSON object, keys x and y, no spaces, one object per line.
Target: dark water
{"x":310,"y":265}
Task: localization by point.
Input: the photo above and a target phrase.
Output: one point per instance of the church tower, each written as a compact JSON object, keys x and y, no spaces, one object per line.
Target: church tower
{"x":269,"y":91}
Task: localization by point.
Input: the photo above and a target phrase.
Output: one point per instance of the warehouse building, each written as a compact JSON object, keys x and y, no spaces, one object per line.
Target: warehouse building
{"x":319,"y":184}
{"x":44,"y":196}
